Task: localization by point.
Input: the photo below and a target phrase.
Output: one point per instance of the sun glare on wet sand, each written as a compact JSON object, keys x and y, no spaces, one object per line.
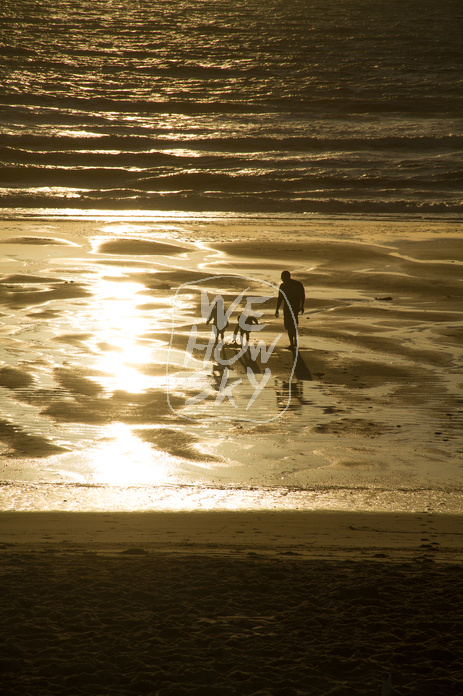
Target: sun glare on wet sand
{"x":122,"y":459}
{"x":98,"y":387}
{"x":118,"y":328}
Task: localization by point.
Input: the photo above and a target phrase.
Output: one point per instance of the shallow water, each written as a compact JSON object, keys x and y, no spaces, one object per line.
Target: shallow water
{"x":95,"y":378}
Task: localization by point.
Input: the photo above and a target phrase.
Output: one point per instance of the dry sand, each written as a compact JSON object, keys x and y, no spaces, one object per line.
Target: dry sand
{"x":282,"y":604}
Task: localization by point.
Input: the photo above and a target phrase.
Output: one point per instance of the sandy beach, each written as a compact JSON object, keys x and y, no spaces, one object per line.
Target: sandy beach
{"x":103,"y":406}
{"x":154,"y":543}
{"x":276,"y":604}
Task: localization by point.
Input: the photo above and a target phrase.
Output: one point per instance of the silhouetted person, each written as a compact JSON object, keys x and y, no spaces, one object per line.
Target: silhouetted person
{"x":293,"y":301}
{"x":219,"y":322}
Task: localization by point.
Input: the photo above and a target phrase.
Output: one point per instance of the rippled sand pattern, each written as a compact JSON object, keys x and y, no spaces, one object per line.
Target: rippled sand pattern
{"x":95,"y":386}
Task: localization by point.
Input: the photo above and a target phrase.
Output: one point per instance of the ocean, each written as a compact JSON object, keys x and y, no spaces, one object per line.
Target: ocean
{"x":267,"y":106}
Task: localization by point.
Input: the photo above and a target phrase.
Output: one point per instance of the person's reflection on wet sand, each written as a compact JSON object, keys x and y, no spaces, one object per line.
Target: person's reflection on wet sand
{"x":289,"y":394}
{"x":217,"y":375}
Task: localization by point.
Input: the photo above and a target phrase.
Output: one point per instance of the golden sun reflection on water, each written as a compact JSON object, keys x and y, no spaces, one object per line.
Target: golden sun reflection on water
{"x":121,"y":320}
{"x":124,"y":459}
{"x":119,"y":329}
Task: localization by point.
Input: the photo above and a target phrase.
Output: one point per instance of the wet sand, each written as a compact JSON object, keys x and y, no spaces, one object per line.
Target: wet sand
{"x":95,"y":383}
{"x":276,"y":604}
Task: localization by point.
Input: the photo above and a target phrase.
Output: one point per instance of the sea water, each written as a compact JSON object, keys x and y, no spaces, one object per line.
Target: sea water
{"x":347,"y":106}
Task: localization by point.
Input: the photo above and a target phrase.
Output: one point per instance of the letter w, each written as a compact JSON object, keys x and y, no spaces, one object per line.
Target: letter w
{"x":262,"y":348}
